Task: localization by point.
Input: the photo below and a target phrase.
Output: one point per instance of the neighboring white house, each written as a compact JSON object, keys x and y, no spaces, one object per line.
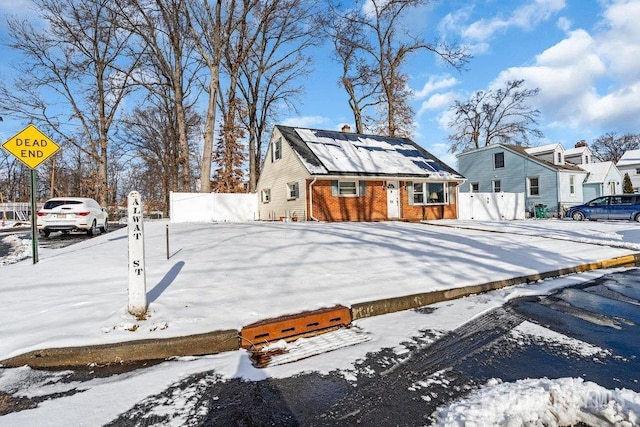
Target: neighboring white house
{"x":603,"y":179}
{"x":630,"y":163}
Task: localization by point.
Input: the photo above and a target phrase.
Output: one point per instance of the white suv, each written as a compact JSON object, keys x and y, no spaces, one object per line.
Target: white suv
{"x":68,"y":214}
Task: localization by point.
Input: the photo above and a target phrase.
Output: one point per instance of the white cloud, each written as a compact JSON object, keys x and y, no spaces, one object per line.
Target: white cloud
{"x":590,"y":81}
{"x":437,"y":101}
{"x":435,"y":83}
{"x":477,"y":34}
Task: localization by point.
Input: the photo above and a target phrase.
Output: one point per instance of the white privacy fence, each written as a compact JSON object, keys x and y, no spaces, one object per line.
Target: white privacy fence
{"x":491,"y":206}
{"x":213,"y":207}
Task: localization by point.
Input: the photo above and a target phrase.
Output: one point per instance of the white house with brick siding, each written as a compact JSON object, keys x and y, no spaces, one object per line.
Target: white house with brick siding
{"x":323,"y":175}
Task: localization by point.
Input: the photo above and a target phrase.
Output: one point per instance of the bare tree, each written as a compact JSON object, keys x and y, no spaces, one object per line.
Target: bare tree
{"x":277,"y":60}
{"x":611,"y":147}
{"x":170,"y":66}
{"x":81,"y":58}
{"x":375,"y":42}
{"x":205,"y":24}
{"x":500,"y":116}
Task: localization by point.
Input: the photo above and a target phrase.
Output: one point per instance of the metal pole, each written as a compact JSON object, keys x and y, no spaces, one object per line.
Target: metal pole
{"x":167,"y":241}
{"x":34,"y":218}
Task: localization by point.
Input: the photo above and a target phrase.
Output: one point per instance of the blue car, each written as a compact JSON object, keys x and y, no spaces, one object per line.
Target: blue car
{"x":620,"y":206}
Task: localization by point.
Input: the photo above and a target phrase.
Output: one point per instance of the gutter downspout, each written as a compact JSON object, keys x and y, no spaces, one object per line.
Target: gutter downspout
{"x":315,"y":178}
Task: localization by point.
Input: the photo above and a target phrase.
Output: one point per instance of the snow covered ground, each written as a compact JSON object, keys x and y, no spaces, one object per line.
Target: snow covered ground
{"x":225,"y":275}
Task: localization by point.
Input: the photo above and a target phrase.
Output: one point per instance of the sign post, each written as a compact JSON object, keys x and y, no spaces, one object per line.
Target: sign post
{"x":137,"y":273}
{"x":32,"y":147}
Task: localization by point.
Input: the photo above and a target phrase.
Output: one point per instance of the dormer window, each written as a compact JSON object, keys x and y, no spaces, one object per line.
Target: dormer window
{"x":559,"y":158}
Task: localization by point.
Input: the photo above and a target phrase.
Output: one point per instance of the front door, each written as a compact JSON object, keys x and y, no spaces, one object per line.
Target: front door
{"x":393,"y":200}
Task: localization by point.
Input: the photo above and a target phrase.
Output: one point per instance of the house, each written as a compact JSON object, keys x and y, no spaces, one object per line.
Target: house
{"x":630,"y":163}
{"x":603,"y":179}
{"x":541,"y":173}
{"x":579,"y":155}
{"x":323,"y":175}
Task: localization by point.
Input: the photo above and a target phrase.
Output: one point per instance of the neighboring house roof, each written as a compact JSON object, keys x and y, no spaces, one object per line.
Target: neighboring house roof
{"x":629,"y":158}
{"x":575,"y":151}
{"x":524,"y":151}
{"x":325,"y":152}
{"x":597,"y":171}
{"x":544,"y":148}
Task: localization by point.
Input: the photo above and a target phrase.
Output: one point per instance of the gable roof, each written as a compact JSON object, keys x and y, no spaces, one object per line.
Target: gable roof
{"x":597,"y":171}
{"x":544,"y":148}
{"x":629,"y":158}
{"x":523,"y":151}
{"x":576,"y":151}
{"x":325,"y":152}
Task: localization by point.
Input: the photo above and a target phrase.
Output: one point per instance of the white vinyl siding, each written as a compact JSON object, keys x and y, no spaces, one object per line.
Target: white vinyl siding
{"x":278,"y":177}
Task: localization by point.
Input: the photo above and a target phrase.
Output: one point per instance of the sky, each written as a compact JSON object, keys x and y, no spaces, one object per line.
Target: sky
{"x":583,"y":55}
{"x":226,"y":275}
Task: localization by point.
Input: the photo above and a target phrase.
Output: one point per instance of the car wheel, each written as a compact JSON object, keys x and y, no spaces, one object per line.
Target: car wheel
{"x":104,"y":228}
{"x":46,"y":233}
{"x":91,"y":231}
{"x":578,"y":216}
{"x":637,"y":217}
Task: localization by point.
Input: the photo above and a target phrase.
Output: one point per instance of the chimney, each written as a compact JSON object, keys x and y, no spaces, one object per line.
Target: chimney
{"x":581,"y":143}
{"x":346,"y":128}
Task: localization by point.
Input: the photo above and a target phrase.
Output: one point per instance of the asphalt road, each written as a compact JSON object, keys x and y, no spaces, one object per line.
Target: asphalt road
{"x":390,"y":388}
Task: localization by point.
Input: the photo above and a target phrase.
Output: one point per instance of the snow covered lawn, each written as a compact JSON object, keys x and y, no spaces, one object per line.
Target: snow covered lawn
{"x":227,"y":275}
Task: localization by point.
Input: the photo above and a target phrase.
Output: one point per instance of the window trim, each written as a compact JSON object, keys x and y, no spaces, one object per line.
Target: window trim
{"x":265,"y":195}
{"x":530,"y":186}
{"x":495,"y":158}
{"x":276,"y":150}
{"x":293,"y":190}
{"x":336,"y":188}
{"x":496,"y":188}
{"x":474,"y":187}
{"x":424,"y":186}
{"x":572,"y":185}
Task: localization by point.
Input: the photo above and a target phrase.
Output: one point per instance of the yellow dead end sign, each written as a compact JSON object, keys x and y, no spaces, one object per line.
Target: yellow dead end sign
{"x":31,"y":146}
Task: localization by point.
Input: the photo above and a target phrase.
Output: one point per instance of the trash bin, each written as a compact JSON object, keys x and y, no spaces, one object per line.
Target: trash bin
{"x":541,"y":211}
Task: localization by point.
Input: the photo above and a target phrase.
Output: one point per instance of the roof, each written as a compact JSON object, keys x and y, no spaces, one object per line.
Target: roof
{"x":325,"y":152}
{"x":597,"y":171}
{"x":544,"y":148}
{"x":575,"y":151}
{"x":524,"y":151}
{"x":629,"y":158}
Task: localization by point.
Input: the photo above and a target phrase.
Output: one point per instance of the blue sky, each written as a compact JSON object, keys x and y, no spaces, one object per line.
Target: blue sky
{"x":584,"y":55}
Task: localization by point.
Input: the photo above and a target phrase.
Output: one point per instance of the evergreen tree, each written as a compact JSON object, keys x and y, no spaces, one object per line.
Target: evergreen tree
{"x":627,"y":186}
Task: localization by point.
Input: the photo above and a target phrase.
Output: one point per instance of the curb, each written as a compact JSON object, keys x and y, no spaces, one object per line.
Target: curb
{"x":214,"y":342}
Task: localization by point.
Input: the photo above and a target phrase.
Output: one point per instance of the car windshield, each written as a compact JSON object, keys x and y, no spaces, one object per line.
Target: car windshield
{"x":598,"y":202}
{"x":51,"y":204}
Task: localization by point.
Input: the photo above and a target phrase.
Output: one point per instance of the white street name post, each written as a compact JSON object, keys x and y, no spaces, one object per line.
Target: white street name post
{"x":137,"y":273}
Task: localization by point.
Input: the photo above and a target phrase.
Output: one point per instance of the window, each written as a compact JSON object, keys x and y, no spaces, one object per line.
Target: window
{"x":474,"y":187}
{"x":559,"y":158}
{"x":293,"y":190}
{"x":497,"y":186}
{"x":534,"y":186}
{"x":265,"y":195}
{"x":498,"y":160}
{"x":276,"y":150}
{"x":348,"y":188}
{"x":423,"y":193}
{"x":637,"y":171}
{"x":572,"y":184}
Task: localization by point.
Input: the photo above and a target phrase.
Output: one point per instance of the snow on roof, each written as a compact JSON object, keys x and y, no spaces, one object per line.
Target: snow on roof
{"x":630,"y":157}
{"x":576,"y":150}
{"x":597,"y":171}
{"x":543,"y":148}
{"x":341,"y":152}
